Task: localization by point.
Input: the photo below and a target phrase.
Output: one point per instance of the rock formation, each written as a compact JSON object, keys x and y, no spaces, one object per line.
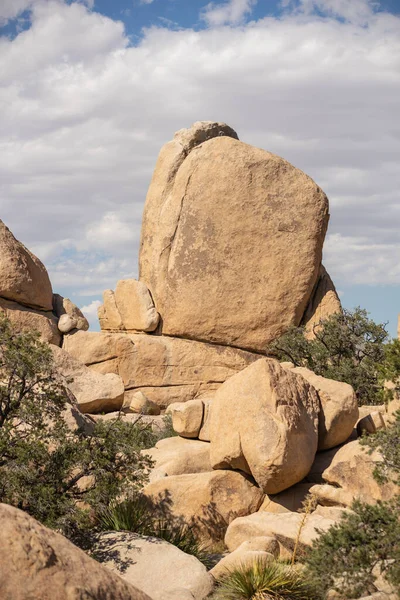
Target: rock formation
{"x":231,"y":240}
{"x":37,"y":563}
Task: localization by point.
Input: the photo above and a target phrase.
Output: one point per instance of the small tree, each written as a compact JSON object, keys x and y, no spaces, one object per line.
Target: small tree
{"x":344,"y":558}
{"x":347,"y":347}
{"x":61,"y":477}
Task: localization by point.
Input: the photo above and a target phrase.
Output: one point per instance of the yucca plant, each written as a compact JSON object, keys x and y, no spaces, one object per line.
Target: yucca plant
{"x":135,"y":515}
{"x":263,"y":580}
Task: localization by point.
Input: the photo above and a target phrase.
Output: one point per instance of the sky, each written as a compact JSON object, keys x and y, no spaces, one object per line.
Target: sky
{"x":91,"y":89}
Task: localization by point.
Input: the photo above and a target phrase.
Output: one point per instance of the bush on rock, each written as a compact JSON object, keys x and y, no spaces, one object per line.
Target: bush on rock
{"x":60,"y":475}
{"x":347,"y":347}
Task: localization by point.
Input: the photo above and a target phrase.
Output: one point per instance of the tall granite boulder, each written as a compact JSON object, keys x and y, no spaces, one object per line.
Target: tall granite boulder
{"x":231,"y":239}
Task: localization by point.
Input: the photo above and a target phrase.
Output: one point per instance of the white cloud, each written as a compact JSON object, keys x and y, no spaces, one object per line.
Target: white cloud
{"x":354,"y":11}
{"x":83,"y":116}
{"x":231,"y":12}
{"x":90,"y":312}
{"x":11,"y":9}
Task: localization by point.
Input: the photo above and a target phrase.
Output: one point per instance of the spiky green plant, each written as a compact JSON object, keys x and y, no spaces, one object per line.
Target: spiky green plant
{"x":264,"y":580}
{"x":135,"y":515}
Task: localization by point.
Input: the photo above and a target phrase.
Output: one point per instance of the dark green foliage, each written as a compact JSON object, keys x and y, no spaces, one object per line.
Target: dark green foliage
{"x":60,"y":477}
{"x":390,"y":369}
{"x":263,"y":580}
{"x":134,"y":515}
{"x":347,"y":347}
{"x":344,"y":557}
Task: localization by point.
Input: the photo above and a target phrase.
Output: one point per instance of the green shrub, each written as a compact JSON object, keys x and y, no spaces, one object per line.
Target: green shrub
{"x":135,"y":515}
{"x":263,"y":580}
{"x":347,"y":347}
{"x":60,"y":477}
{"x":344,"y":557}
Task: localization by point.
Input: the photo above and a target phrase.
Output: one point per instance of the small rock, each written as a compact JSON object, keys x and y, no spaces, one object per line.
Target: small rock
{"x":139,"y":403}
{"x":187,"y":417}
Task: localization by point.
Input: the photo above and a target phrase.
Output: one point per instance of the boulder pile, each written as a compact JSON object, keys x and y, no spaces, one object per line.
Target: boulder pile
{"x":230,"y":259}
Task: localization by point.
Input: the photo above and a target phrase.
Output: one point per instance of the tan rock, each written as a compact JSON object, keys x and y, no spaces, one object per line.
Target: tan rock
{"x":371,"y":423}
{"x":179,"y":456}
{"x":329,"y":495}
{"x":154,"y":565}
{"x":207,"y":502}
{"x":367,"y":409}
{"x":108,"y":313}
{"x":332,"y":512}
{"x":135,"y":305}
{"x":165,"y":369}
{"x":352,"y":469}
{"x":93,"y":392}
{"x":392,"y":409}
{"x":39,"y":564}
{"x":264,"y":421}
{"x":187,"y":417}
{"x":26,"y":319}
{"x":231,"y":240}
{"x":290,"y":500}
{"x":339,"y":408}
{"x":204,"y":433}
{"x":239,"y":558}
{"x":70,"y":316}
{"x":323,"y":303}
{"x":23,"y":278}
{"x":283,"y":527}
{"x":137,"y":402}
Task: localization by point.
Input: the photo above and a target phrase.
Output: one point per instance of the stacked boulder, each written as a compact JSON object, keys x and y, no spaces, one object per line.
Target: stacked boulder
{"x":26,"y":295}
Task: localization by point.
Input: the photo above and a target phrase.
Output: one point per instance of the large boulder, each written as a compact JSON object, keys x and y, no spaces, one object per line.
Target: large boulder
{"x":26,"y":319}
{"x":285,"y":528}
{"x":231,"y":240}
{"x":165,"y":369}
{"x":264,"y":421}
{"x":94,"y":392}
{"x":207,"y":502}
{"x":154,"y":565}
{"x":39,"y":564}
{"x":339,"y":408}
{"x":23,"y":278}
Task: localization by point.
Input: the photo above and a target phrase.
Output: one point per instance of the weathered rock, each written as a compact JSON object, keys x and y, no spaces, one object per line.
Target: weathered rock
{"x":339,"y":408}
{"x":324,"y":303}
{"x":231,"y":239}
{"x":204,"y":433}
{"x":331,"y":512}
{"x":283,"y":527}
{"x":23,"y":278}
{"x":27,"y":319}
{"x":371,"y":423}
{"x":165,"y":369}
{"x":135,"y":305}
{"x":290,"y":500}
{"x":39,"y":564}
{"x":178,"y":456}
{"x":352,"y":469}
{"x":70,"y":316}
{"x":137,"y":402}
{"x":329,"y":495}
{"x":93,"y":392}
{"x":108,"y":313}
{"x":264,"y":421}
{"x":207,"y":502}
{"x":154,"y":565}
{"x":187,"y":417}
